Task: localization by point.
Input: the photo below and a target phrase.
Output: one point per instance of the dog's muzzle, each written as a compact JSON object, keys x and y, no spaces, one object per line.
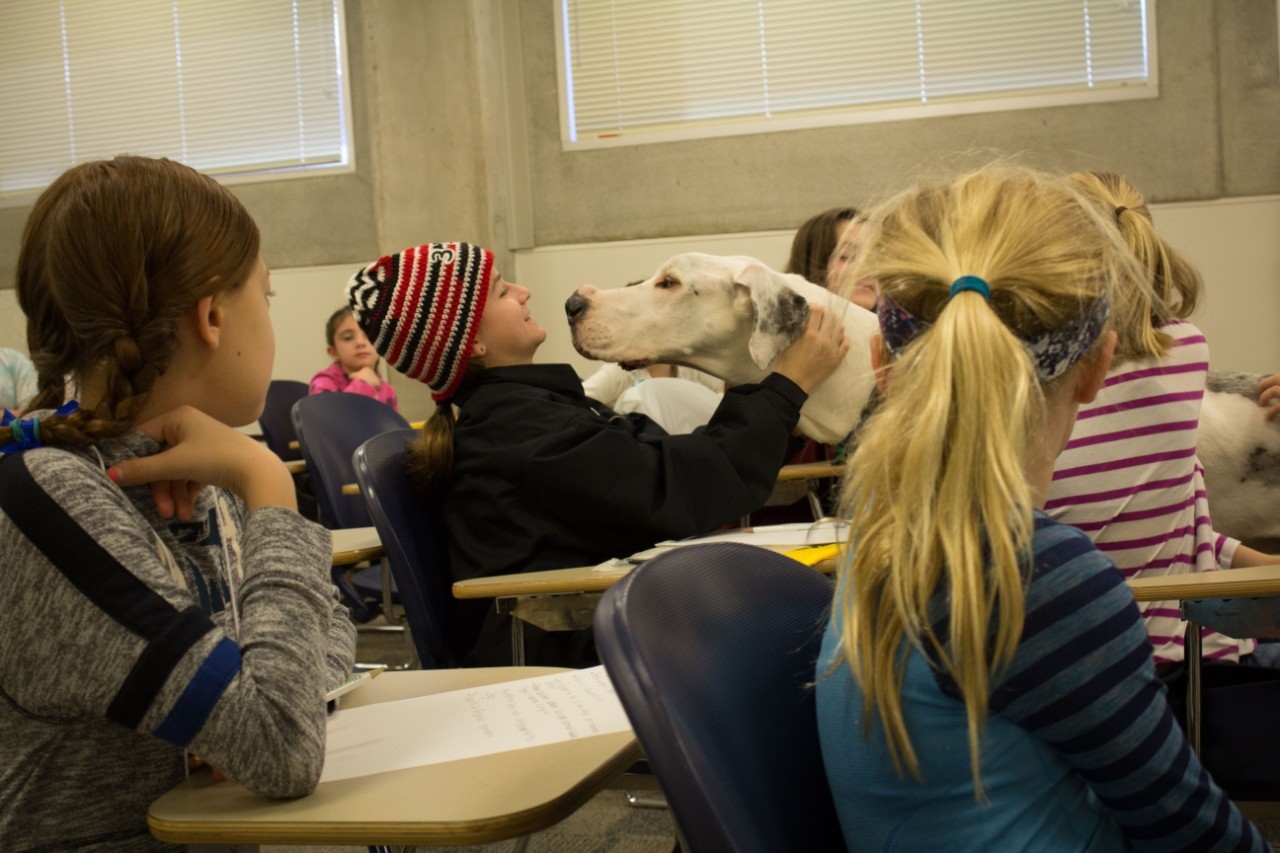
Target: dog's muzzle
{"x":575,"y":306}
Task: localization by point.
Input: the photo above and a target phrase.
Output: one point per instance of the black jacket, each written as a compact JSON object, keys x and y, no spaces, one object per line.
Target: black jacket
{"x":547,"y":478}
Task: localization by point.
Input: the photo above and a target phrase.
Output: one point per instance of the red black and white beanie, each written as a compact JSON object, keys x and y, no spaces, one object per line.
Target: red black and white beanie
{"x":421,"y":308}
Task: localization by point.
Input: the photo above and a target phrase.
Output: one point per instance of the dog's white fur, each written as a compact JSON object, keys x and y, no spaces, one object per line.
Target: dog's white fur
{"x":1240,"y":451}
{"x":709,"y":312}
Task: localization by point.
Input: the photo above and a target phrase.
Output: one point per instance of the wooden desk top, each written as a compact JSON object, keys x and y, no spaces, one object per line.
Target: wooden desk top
{"x":811,"y":471}
{"x":472,"y":801}
{"x":296,"y":466}
{"x":355,"y":545}
{"x":554,"y":581}
{"x":568,"y":581}
{"x":1255,"y":581}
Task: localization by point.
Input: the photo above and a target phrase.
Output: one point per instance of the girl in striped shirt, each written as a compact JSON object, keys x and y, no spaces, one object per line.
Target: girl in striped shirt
{"x":1129,"y":476}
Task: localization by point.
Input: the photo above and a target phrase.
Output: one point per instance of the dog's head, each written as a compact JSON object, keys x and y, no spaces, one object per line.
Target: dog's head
{"x":696,"y":309}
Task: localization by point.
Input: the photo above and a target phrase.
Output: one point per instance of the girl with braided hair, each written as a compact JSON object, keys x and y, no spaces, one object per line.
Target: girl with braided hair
{"x":161,"y":592}
{"x":986,"y":680}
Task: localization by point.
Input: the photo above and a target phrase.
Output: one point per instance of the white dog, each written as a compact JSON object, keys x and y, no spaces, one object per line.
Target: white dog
{"x":1240,"y":452}
{"x":730,"y":317}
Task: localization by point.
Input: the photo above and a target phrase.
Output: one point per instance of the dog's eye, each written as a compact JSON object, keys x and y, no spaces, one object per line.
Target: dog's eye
{"x":666,"y":283}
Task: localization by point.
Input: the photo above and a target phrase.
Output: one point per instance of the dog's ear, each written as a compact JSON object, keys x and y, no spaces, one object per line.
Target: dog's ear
{"x":781,"y":313}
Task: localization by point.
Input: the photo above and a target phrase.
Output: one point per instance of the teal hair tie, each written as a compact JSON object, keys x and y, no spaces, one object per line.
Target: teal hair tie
{"x":971,"y":282}
{"x":24,"y":433}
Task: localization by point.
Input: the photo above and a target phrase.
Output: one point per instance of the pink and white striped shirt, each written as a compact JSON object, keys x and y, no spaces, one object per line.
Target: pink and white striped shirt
{"x":1129,"y":478}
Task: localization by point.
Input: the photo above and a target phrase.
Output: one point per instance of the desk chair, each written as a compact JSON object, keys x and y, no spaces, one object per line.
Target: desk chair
{"x":413,"y":535}
{"x":712,"y":651}
{"x":277,"y":419}
{"x":330,"y":427}
{"x":281,"y":439}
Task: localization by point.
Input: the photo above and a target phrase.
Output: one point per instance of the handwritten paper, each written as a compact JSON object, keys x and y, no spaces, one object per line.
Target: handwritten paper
{"x":476,"y":721}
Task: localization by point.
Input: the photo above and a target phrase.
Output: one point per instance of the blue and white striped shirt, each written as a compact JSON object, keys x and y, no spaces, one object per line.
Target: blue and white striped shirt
{"x":1080,"y":752}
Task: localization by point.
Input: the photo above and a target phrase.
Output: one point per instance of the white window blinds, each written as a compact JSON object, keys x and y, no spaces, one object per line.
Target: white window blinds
{"x":225,"y":86}
{"x":658,"y":69}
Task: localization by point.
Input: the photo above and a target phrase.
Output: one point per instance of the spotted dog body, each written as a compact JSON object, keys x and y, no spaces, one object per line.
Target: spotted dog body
{"x":730,"y":317}
{"x":1240,"y":451}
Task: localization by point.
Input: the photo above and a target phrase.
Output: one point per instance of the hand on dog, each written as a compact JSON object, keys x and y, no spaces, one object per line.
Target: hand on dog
{"x":816,"y":354}
{"x":1269,"y":395}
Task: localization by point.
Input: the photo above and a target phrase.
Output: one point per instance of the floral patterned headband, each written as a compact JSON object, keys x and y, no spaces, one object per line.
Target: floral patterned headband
{"x":1053,"y":352}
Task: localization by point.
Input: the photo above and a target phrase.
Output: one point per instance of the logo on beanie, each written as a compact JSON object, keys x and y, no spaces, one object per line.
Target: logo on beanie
{"x":420,"y":309}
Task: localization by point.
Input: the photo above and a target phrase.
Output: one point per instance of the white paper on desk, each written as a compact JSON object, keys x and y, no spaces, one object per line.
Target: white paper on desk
{"x":476,"y":721}
{"x":799,"y":533}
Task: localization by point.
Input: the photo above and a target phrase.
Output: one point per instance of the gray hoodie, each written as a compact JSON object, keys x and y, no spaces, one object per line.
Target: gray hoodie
{"x":118,"y":649}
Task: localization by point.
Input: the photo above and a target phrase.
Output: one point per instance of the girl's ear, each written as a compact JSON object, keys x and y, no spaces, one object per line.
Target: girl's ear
{"x":1095,"y":369}
{"x":478,"y":349}
{"x":333,"y":353}
{"x":207,"y":318}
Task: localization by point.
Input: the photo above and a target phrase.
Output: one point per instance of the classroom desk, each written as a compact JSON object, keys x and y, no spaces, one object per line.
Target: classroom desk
{"x":559,"y":599}
{"x":471,"y":801}
{"x":1237,"y":603}
{"x":811,"y":470}
{"x":355,"y":545}
{"x":811,"y":473}
{"x":1255,"y":581}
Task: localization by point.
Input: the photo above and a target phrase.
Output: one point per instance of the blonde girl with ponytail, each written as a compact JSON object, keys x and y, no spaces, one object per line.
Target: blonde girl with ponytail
{"x":985,"y":681}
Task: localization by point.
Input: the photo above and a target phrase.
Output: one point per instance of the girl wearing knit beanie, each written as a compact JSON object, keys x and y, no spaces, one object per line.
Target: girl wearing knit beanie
{"x":531,"y":474}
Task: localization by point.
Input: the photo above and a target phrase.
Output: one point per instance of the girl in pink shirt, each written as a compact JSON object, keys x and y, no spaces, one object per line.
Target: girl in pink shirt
{"x":355,"y":362}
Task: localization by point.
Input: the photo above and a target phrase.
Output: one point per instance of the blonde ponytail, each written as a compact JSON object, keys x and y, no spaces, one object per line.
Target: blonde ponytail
{"x":937,"y":493}
{"x":1171,"y":286}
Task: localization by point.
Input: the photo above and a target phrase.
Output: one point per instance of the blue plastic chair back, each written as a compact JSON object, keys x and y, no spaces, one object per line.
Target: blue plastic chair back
{"x":277,"y":417}
{"x":712,"y":650}
{"x":330,"y":427}
{"x":414,"y":539}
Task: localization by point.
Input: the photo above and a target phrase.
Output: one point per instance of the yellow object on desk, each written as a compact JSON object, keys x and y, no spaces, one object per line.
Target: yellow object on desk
{"x":811,"y":555}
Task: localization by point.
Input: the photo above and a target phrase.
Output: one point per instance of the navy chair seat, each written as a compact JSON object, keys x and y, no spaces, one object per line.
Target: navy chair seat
{"x":276,"y":420}
{"x":712,"y":652}
{"x":412,"y":531}
{"x":330,"y":427}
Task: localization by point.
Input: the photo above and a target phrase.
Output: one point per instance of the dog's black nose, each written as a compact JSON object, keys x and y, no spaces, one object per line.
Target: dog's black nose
{"x":575,"y":305}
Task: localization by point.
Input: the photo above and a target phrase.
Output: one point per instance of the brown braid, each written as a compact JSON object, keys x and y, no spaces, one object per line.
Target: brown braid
{"x":113,"y":254}
{"x":431,"y":454}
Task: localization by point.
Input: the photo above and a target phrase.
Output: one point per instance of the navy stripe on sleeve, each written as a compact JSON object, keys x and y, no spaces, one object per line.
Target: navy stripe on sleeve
{"x":201,"y":694}
{"x":111,"y":587}
{"x":150,"y":671}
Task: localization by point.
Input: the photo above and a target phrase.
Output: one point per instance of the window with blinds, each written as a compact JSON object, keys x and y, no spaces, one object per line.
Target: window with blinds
{"x":229,"y":87}
{"x":636,"y":71}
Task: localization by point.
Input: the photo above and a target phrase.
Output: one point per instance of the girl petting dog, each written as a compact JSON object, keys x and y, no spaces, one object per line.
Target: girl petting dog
{"x":535,"y":475}
{"x":986,"y":681}
{"x":161,"y":593}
